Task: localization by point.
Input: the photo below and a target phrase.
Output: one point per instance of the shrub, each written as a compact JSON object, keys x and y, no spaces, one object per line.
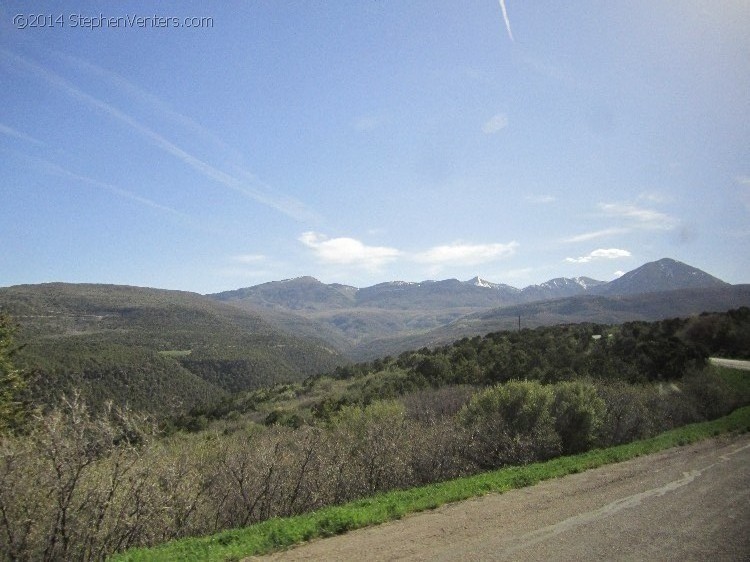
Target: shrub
{"x":67,"y":487}
{"x":711,"y":395}
{"x":579,"y":414}
{"x":511,"y":423}
{"x":14,"y":406}
{"x":626,"y":416}
{"x":433,"y":404}
{"x":372,"y":441}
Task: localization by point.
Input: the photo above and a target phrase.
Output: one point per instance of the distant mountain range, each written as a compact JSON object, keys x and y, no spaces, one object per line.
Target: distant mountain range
{"x":307,"y":294}
{"x":380,"y":319}
{"x":170,"y":350}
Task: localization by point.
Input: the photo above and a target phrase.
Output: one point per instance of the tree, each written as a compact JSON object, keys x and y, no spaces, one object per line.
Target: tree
{"x":435,"y":369}
{"x":13,"y":382}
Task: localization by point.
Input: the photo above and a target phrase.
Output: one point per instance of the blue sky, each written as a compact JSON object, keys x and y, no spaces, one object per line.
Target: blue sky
{"x":368,"y":141}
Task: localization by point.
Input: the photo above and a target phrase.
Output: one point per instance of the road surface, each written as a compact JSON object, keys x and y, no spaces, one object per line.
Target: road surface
{"x":731,"y":363}
{"x":688,"y":503}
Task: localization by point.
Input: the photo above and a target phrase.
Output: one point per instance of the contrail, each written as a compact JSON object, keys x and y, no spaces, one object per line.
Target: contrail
{"x":5,"y":130}
{"x":286,"y":205}
{"x":59,"y":170}
{"x":135,"y":92}
{"x":262,"y":192}
{"x":507,"y":21}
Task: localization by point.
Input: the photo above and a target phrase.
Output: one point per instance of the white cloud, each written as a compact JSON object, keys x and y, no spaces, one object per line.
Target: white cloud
{"x":460,"y":254}
{"x":608,"y":254}
{"x":586,"y":236}
{"x":638,"y":216}
{"x":348,"y":251}
{"x":495,"y":124}
{"x":619,"y":273}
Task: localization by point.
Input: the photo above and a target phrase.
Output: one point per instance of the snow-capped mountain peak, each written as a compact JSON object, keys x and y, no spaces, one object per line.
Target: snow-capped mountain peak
{"x":479,"y":282}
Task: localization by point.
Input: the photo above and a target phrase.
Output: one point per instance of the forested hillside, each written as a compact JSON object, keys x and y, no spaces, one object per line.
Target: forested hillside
{"x":171,"y":351}
{"x":156,"y":350}
{"x":578,"y":309}
{"x":79,"y":485}
{"x":632,"y":353}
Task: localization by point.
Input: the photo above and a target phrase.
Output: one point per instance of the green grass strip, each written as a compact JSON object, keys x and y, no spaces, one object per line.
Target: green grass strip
{"x":277,"y":534}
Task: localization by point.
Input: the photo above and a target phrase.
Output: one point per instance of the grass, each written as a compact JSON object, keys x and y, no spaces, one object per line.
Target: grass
{"x":277,"y":534}
{"x":738,"y":381}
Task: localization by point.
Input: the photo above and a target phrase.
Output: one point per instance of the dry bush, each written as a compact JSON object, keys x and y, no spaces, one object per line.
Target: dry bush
{"x":371,"y":449}
{"x":627,"y":416}
{"x":439,"y":451}
{"x":431,"y":404}
{"x":271,"y":473}
{"x":80,"y":487}
{"x":63,"y":485}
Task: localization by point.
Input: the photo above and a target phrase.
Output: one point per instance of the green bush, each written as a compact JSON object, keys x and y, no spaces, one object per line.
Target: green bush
{"x":511,"y":423}
{"x":13,"y":382}
{"x":710,"y":393}
{"x":579,"y":415}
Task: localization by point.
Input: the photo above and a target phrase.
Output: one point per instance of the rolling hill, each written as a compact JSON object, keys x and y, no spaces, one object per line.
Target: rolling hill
{"x":154,"y":349}
{"x":583,"y":308}
{"x":169,"y":351}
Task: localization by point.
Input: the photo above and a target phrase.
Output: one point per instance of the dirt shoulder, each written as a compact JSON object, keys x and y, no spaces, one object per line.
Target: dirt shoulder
{"x":688,"y":503}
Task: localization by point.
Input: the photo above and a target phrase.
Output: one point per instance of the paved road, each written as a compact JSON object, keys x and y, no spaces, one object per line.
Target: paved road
{"x":689,"y":503}
{"x":732,"y":363}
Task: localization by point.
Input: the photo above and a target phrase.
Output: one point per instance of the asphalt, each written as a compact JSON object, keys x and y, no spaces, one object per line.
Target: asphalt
{"x":688,"y":503}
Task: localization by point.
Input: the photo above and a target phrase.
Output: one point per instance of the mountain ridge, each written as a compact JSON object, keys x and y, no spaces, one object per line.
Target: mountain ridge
{"x":395,"y":310}
{"x":146,"y":346}
{"x":661,"y":275}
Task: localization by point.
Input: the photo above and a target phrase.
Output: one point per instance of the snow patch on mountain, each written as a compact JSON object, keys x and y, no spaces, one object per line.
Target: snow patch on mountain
{"x":479,"y":282}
